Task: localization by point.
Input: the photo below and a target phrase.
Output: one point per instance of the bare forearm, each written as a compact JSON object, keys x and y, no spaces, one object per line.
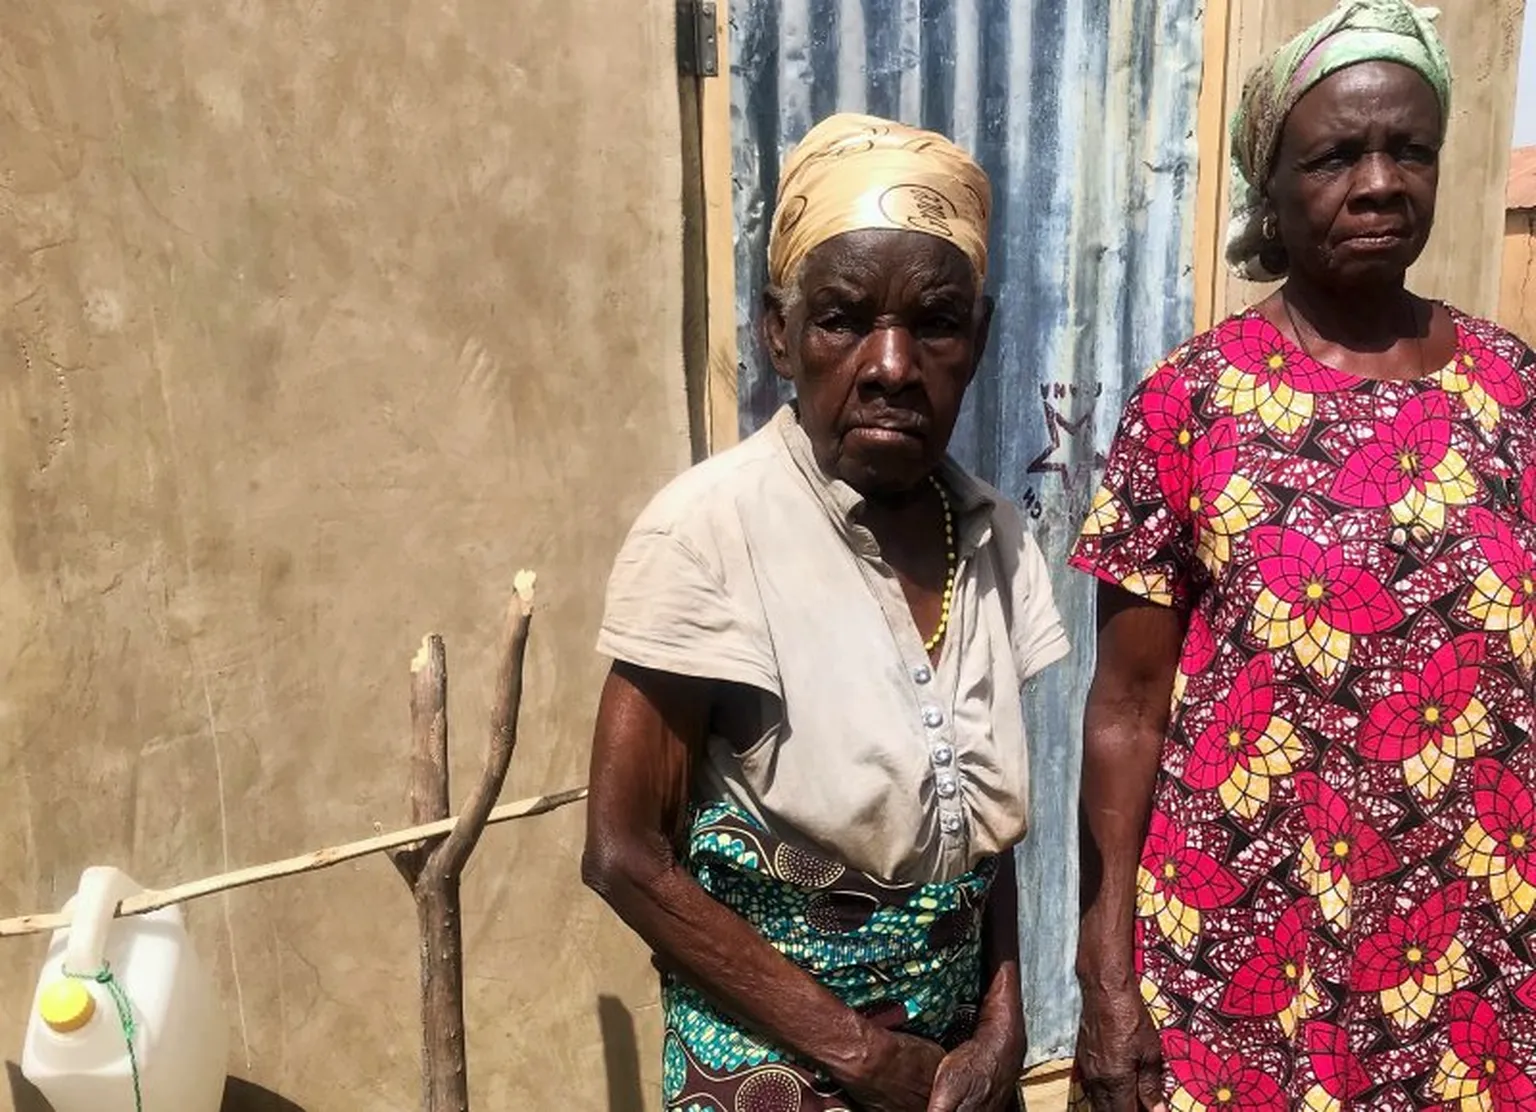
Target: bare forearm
{"x":724,"y":957}
{"x":982,"y":1071}
{"x":1119,"y":1053}
{"x":1120,"y":761}
{"x":1002,"y":1006}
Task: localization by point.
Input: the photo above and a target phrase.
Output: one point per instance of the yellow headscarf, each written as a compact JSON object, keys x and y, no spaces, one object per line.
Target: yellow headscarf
{"x":852,"y":173}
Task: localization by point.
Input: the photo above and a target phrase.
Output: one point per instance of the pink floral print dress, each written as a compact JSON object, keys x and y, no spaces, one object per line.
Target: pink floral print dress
{"x":1337,"y":888}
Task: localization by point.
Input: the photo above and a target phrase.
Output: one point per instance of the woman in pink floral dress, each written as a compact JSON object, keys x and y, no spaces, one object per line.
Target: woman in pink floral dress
{"x":1309,"y":817}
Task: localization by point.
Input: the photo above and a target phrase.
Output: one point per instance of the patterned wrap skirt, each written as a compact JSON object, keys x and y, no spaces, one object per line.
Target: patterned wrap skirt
{"x":908,"y":957}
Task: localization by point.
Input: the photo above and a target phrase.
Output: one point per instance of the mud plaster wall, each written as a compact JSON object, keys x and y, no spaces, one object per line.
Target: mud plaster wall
{"x":317,"y":320}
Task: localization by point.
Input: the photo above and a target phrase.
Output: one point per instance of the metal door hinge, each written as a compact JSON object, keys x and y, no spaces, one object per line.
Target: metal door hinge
{"x":698,"y":45}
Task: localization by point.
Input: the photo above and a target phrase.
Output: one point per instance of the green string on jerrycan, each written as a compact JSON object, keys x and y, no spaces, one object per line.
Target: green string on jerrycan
{"x":103,"y":977}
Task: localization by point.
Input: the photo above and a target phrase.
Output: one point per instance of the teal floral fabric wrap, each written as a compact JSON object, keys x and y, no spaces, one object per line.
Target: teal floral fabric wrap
{"x":907,"y":956}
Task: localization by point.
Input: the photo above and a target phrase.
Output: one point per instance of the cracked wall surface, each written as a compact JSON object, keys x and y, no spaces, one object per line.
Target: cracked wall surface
{"x":317,"y":320}
{"x":1517,"y":292}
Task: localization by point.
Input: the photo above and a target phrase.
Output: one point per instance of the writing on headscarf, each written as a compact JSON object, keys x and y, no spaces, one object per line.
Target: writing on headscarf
{"x":1354,"y":32}
{"x":853,"y":172}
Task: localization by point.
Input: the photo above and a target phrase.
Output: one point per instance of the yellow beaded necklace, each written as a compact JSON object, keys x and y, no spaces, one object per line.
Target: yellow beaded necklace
{"x":952,"y":564}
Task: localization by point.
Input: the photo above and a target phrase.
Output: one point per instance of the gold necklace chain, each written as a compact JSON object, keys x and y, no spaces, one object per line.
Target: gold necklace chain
{"x":951,"y":563}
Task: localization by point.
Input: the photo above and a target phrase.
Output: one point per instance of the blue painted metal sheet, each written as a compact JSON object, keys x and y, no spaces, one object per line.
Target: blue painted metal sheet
{"x":1083,"y":113}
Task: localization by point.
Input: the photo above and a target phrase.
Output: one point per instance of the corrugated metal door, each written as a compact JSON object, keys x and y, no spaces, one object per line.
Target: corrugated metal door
{"x":1083,"y":112}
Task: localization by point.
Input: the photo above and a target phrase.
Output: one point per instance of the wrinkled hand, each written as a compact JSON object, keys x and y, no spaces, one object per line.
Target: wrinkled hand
{"x":979,"y":1075}
{"x":901,"y":1075}
{"x":1119,"y":1054}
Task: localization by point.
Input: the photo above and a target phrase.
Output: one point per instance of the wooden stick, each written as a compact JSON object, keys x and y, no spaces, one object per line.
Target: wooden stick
{"x":430,"y":798}
{"x":451,"y":857}
{"x":438,"y":925}
{"x":155,"y":899}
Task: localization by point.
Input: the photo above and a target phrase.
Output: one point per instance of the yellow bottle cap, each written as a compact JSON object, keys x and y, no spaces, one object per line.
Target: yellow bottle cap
{"x":66,"y":1006}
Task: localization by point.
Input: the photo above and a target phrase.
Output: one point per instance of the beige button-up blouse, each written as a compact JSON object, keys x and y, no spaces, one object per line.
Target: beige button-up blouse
{"x":752,"y":568}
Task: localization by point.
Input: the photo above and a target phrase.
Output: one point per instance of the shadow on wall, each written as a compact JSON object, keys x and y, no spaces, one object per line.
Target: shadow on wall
{"x":621,"y":1056}
{"x":239,"y":1096}
{"x":24,"y":1095}
{"x":242,"y":1096}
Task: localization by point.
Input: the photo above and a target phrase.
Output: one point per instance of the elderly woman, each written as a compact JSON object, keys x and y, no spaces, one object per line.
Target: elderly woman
{"x":809,"y":765}
{"x":1310,"y":831}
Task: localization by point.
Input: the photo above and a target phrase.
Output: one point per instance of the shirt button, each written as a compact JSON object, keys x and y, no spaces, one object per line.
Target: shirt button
{"x":950,"y":824}
{"x":942,"y":755}
{"x":922,"y":673}
{"x":933,"y":717}
{"x":947,"y":786}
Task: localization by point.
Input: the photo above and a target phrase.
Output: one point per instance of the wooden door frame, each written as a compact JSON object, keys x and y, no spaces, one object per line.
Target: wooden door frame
{"x":1213,"y":151}
{"x":709,"y":252}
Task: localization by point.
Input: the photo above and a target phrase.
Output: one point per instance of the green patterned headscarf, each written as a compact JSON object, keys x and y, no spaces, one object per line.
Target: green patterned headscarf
{"x":1356,"y":31}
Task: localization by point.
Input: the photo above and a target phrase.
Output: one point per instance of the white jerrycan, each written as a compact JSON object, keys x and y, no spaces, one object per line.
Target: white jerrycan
{"x":101,"y":971}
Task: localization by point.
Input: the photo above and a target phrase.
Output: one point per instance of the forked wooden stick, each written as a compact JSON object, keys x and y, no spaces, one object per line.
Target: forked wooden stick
{"x":434,"y":868}
{"x":154,"y":899}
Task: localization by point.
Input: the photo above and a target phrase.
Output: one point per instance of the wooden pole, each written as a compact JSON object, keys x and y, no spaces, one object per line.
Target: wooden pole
{"x":441,"y":955}
{"x":156,"y":898}
{"x":433,"y":870}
